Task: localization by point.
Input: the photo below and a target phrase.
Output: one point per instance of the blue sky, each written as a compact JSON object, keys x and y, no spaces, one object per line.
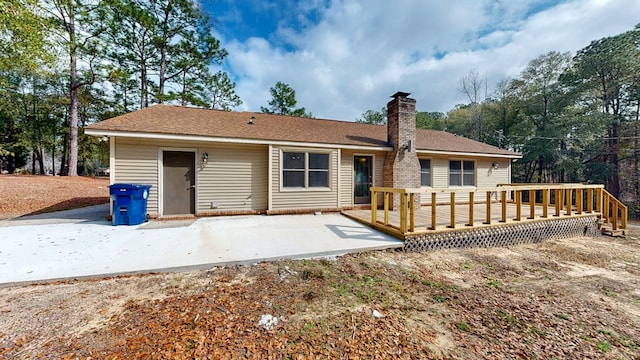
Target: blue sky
{"x":343,"y":57}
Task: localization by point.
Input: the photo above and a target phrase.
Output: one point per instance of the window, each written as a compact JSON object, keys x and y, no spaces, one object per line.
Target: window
{"x":462,"y":173}
{"x":293,"y":170}
{"x":425,"y":172}
{"x":305,"y":170}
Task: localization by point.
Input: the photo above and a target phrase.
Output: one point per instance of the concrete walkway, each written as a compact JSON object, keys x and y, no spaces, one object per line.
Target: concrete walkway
{"x":80,"y":243}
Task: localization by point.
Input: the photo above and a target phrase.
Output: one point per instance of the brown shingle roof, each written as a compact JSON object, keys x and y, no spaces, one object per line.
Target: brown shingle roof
{"x":176,"y":120}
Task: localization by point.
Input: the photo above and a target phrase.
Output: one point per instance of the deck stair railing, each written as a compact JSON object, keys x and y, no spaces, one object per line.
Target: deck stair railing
{"x":541,"y":200}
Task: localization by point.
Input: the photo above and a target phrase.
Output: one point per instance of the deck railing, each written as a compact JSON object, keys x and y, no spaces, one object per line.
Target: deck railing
{"x":542,"y":200}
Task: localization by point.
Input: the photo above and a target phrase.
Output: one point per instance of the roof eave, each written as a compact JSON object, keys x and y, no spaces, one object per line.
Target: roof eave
{"x":140,"y":135}
{"x":472,"y":154}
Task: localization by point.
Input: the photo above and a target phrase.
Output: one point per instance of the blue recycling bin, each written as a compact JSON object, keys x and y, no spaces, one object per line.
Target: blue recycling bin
{"x":129,"y":203}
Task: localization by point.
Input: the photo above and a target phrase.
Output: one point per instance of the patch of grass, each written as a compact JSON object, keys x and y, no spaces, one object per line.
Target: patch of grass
{"x":466,"y":266}
{"x":325,"y":262}
{"x":439,"y":298}
{"x":606,"y":332}
{"x":539,"y":331}
{"x":439,"y":285}
{"x":603,"y":346}
{"x":609,"y":292}
{"x":628,"y":342}
{"x":463,"y":326}
{"x":367,"y":289}
{"x":505,"y":315}
{"x":492,"y":282}
{"x":310,"y":274}
{"x":563,"y":316}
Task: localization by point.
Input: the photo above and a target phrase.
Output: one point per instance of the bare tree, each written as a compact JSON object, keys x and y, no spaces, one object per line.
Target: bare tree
{"x":471,"y":86}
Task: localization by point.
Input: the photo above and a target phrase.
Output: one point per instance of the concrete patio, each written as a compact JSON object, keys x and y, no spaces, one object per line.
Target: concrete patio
{"x":80,"y":243}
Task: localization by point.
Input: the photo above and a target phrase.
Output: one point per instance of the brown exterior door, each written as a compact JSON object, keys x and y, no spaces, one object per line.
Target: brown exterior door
{"x":178,"y":182}
{"x":363,"y":179}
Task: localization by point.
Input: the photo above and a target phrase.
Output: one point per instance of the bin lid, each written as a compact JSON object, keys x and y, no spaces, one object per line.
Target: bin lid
{"x":128,"y":186}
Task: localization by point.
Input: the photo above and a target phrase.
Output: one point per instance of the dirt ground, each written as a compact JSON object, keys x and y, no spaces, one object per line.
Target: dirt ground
{"x":30,"y":195}
{"x":564,"y":299}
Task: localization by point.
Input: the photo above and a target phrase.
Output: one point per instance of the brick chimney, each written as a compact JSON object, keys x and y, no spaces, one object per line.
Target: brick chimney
{"x":401,"y":166}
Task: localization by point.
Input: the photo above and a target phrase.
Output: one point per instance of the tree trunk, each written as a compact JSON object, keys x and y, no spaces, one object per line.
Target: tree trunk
{"x":144,"y":96}
{"x":65,"y":150}
{"x":614,"y":179}
{"x":41,"y":161}
{"x":636,"y":168}
{"x":162,"y":75}
{"x":53,"y":158}
{"x":33,"y":161}
{"x":73,"y":96}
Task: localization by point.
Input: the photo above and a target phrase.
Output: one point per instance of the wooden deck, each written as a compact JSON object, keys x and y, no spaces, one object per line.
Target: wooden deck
{"x":423,"y":218}
{"x":516,"y":203}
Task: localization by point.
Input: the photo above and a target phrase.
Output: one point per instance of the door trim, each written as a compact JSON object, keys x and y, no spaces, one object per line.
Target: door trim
{"x":160,"y":175}
{"x":353,"y":174}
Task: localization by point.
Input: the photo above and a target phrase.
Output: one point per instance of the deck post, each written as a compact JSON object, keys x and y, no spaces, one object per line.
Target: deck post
{"x":412,"y":222}
{"x":386,"y":208}
{"x":605,"y":201}
{"x":590,"y":200}
{"x":452,"y":211}
{"x":569,"y":198}
{"x":614,"y":220}
{"x":433,"y":211}
{"x":532,"y":204}
{"x":403,"y":212}
{"x":471,"y":196}
{"x":503,"y":200}
{"x":599,"y":200}
{"x":374,"y":206}
{"x":558,"y":201}
{"x":518,"y":205}
{"x":545,"y":203}
{"x":488,"y":208}
{"x":579,"y":203}
{"x":625,"y":214}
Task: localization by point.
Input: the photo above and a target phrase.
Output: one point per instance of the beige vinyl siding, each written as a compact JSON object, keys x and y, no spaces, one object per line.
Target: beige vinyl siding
{"x":346,"y":178}
{"x":486,"y":176}
{"x":347,"y":175}
{"x":235,"y":178}
{"x":137,"y":163}
{"x":284,"y":199}
{"x":489,"y":177}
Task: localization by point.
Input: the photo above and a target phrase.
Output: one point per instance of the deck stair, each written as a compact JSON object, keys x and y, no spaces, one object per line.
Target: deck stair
{"x":613,"y":219}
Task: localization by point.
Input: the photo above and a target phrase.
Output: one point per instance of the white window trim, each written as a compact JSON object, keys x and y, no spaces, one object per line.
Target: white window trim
{"x":475,"y":173}
{"x":306,"y":188}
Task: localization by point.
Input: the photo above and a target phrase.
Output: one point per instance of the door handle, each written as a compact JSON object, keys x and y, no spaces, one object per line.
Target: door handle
{"x":192,"y":186}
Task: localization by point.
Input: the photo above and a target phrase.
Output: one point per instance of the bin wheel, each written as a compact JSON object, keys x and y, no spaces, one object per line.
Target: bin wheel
{"x":146,"y":218}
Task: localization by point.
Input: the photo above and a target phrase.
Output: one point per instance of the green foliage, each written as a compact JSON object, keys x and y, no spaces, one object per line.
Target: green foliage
{"x":430,"y":120}
{"x":283,"y":102}
{"x":463,"y":326}
{"x":24,"y":43}
{"x":221,"y":90}
{"x":373,"y":117}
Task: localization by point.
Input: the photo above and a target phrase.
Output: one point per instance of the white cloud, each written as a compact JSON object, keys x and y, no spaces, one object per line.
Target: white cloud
{"x":358,"y":53}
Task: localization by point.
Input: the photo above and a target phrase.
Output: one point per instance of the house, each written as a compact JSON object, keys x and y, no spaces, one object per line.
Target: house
{"x":210,"y":162}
